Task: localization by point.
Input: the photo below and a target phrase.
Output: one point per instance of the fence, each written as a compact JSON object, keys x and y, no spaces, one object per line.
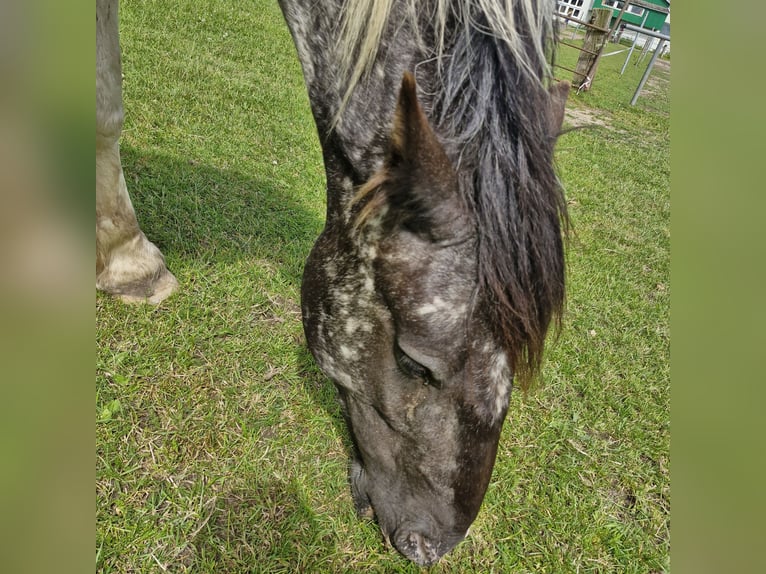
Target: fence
{"x":596,"y":37}
{"x":597,"y":34}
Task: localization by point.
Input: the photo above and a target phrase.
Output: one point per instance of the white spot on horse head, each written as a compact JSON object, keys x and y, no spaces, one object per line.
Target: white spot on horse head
{"x":446,"y":310}
{"x":500,"y":381}
{"x":324,"y":359}
{"x":436,"y":305}
{"x":370,"y":252}
{"x":344,"y":379}
{"x":330,"y":269}
{"x":348,"y":353}
{"x":353,"y":324}
{"x":499,"y":369}
{"x":330,"y":368}
{"x":367,"y":277}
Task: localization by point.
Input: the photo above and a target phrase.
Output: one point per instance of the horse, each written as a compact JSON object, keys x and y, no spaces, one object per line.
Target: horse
{"x":440,"y":269}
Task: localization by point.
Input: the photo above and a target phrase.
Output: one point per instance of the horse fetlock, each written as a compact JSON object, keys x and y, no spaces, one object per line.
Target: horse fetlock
{"x":136,"y":272}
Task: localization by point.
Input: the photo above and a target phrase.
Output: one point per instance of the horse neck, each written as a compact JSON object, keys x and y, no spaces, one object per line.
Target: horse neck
{"x":354,"y":141}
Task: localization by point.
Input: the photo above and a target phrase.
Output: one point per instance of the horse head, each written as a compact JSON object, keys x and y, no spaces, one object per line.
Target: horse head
{"x":394,"y":314}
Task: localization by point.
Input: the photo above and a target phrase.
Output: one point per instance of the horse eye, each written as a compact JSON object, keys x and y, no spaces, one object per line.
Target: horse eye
{"x":413,"y":369}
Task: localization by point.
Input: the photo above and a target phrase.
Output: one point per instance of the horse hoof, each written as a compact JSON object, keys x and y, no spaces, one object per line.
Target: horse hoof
{"x":158,"y":291}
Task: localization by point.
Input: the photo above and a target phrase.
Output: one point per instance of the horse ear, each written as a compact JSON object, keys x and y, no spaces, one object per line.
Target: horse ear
{"x":423,"y":187}
{"x":412,"y":139}
{"x":558,"y":93}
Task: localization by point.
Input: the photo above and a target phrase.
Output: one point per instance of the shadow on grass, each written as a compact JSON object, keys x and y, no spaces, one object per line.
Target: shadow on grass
{"x":197,"y":212}
{"x":207,"y":214}
{"x":266,"y":524}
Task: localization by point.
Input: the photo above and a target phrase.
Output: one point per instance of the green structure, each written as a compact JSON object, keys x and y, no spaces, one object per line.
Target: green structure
{"x":649,"y":14}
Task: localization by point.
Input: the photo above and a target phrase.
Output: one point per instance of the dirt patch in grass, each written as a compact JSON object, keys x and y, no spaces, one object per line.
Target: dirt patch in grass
{"x":582,"y":116}
{"x":658,"y":81}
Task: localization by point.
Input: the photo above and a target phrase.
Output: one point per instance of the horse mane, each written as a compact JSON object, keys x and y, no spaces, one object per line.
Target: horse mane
{"x":522,"y":26}
{"x":491,"y":108}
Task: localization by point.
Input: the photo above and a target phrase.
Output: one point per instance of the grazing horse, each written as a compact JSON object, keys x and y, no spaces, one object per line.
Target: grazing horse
{"x":440,"y":267}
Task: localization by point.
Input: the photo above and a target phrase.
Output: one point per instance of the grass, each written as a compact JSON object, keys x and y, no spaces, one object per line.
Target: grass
{"x":219,"y":444}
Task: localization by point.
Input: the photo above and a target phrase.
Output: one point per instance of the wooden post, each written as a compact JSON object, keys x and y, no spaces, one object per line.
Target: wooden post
{"x":594,"y":41}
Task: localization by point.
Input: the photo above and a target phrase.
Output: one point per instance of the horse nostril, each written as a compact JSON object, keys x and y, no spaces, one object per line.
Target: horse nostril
{"x":418,"y":548}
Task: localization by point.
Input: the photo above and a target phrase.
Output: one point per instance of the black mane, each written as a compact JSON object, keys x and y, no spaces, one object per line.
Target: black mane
{"x":492,"y":113}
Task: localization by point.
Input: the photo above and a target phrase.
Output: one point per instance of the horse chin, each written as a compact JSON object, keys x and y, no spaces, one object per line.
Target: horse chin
{"x":416,"y":543}
{"x":417,"y":539}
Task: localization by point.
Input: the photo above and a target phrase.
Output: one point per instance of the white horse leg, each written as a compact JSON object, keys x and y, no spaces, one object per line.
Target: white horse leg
{"x":127,"y":263}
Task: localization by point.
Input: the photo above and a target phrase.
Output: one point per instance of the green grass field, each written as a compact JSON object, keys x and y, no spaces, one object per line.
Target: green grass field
{"x":220,"y":447}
